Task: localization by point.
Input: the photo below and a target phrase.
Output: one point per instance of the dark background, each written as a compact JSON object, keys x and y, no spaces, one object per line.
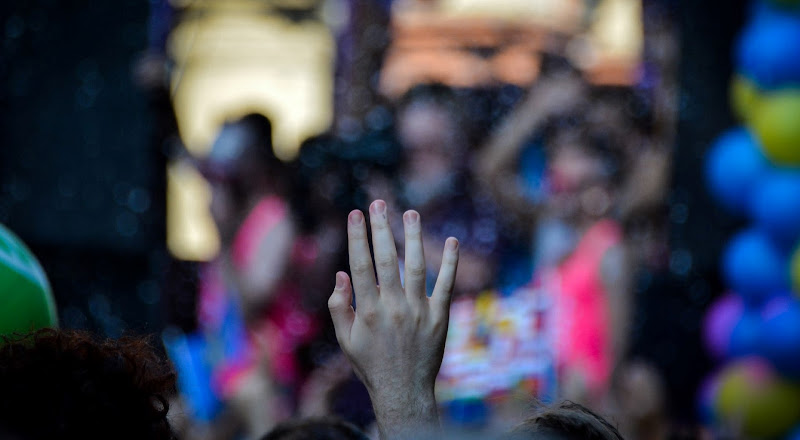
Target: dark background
{"x":82,"y":174}
{"x":80,"y":181}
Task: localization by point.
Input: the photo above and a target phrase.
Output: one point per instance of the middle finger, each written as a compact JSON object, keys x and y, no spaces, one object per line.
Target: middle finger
{"x":384,"y":249}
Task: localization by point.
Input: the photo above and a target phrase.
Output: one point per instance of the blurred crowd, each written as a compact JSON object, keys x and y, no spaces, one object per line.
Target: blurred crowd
{"x":556,"y":206}
{"x":557,"y":201}
{"x":485,"y":195}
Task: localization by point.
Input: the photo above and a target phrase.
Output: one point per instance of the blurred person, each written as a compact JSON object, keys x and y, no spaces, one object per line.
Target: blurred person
{"x":586,"y":276}
{"x":328,"y":174}
{"x":71,"y":384}
{"x":581,"y":263}
{"x":395,"y":336}
{"x":257,"y":313}
{"x":590,"y":285}
{"x":434,"y":177}
{"x":521,"y":192}
{"x":496,"y":357}
{"x":433,"y":144}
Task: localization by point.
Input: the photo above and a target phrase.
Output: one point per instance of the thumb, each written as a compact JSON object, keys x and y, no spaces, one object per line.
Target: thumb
{"x":341,"y":310}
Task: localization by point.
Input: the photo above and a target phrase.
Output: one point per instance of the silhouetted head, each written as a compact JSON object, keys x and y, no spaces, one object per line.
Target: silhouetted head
{"x":565,"y":421}
{"x":584,"y":168}
{"x":69,"y":384}
{"x":434,"y":145}
{"x":242,"y":167}
{"x":241,"y":149}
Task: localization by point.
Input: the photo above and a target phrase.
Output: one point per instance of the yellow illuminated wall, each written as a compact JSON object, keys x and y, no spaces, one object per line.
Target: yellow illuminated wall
{"x":191,"y":232}
{"x":234,"y":57}
{"x":233,"y":61}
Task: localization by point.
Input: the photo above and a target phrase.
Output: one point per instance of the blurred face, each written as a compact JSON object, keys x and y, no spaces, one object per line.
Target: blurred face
{"x":223,"y":209}
{"x":428,"y":135}
{"x":235,"y":155}
{"x":578,"y":185}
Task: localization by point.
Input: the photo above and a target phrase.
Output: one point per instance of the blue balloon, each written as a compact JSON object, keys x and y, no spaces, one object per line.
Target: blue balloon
{"x":734,"y":163}
{"x":754,"y":267}
{"x":746,"y":336}
{"x":767,"y":51}
{"x":775,"y":205}
{"x":781,"y":339}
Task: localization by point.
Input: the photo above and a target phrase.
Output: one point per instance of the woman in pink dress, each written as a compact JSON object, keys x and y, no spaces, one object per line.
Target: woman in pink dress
{"x":579,"y":252}
{"x":255,"y":319}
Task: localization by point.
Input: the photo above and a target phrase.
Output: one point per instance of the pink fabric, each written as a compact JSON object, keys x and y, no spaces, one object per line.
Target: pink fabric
{"x":283,"y":326}
{"x":282,"y":330}
{"x":584,"y":336}
{"x":266,"y":214}
{"x":227,"y":379}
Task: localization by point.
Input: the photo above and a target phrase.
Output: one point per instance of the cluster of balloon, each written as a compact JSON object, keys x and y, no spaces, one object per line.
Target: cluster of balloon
{"x":26,"y":302}
{"x":753,"y":171}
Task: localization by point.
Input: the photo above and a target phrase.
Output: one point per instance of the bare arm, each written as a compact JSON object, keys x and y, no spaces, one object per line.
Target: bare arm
{"x":646,"y":187}
{"x":258,"y":281}
{"x":498,"y":158}
{"x":506,"y":142}
{"x":395,"y":338}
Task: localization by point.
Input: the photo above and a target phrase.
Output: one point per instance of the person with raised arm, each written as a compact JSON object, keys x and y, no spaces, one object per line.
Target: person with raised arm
{"x":395,"y":334}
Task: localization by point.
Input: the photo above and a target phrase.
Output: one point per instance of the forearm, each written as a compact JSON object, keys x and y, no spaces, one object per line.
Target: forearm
{"x":411,"y":415}
{"x":504,"y":146}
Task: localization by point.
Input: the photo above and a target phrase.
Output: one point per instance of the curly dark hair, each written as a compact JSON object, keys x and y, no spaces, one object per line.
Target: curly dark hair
{"x":567,"y":421}
{"x":70,"y":384}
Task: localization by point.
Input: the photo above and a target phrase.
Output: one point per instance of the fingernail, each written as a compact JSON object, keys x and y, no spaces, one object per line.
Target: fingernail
{"x":411,"y":217}
{"x":339,"y":280}
{"x":356,"y":217}
{"x":379,"y":207}
{"x":452,"y":243}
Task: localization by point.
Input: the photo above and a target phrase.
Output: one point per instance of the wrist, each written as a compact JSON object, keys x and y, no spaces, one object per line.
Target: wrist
{"x":405,"y":413}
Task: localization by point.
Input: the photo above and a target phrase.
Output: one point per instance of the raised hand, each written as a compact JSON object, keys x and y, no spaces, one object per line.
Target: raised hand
{"x":395,"y":337}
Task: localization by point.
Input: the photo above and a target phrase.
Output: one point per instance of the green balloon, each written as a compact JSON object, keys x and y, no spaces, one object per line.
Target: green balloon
{"x":744,"y":97}
{"x":26,"y":302}
{"x":751,"y":396}
{"x":777,"y":126}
